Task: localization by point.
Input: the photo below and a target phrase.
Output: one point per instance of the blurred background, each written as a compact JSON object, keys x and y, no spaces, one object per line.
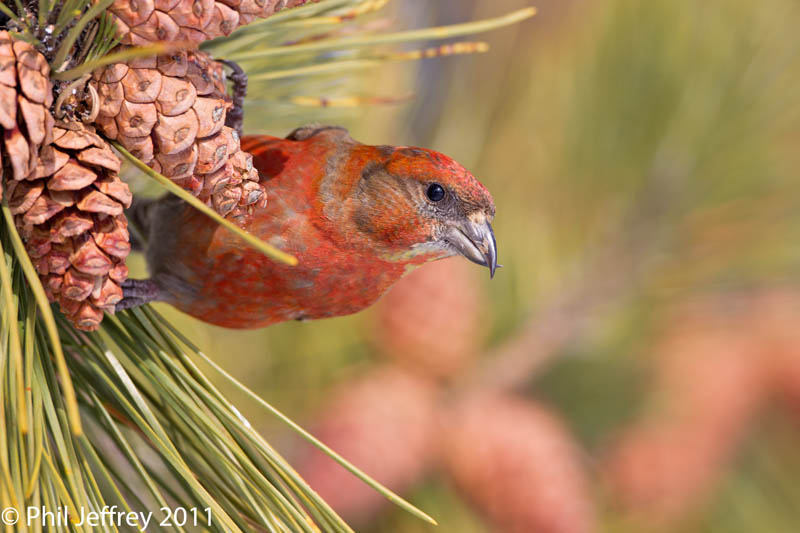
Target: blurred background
{"x":635,"y":365}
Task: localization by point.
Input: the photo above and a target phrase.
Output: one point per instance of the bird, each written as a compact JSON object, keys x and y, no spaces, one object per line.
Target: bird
{"x":357,"y":218}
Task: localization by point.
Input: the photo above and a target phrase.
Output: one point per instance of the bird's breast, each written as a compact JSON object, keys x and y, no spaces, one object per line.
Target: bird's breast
{"x":241,"y":288}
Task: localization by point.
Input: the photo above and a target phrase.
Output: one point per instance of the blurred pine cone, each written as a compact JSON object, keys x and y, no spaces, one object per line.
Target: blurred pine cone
{"x":386,"y":423}
{"x":170,"y":112}
{"x":710,"y":383}
{"x":516,"y":462}
{"x":143,"y":22}
{"x":774,"y":318}
{"x":432,"y":320}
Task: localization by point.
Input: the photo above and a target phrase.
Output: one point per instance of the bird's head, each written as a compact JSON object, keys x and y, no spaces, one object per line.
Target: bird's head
{"x":410,"y":204}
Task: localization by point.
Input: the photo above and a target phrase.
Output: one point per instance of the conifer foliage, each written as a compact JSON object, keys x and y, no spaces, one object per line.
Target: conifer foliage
{"x":85,"y":393}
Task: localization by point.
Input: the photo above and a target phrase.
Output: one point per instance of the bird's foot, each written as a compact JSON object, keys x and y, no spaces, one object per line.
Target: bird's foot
{"x":136,"y":292}
{"x":235,"y":117}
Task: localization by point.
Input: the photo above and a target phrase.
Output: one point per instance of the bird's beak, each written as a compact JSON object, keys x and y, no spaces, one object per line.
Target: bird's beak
{"x":474,"y":239}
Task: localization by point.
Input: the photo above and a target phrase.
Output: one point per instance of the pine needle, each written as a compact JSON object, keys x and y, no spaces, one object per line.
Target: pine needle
{"x":49,"y":320}
{"x":138,"y":386}
{"x":13,"y":16}
{"x":388,"y":494}
{"x":263,"y":247}
{"x":373,"y":61}
{"x":15,"y":348}
{"x":441,"y":32}
{"x":118,"y":57}
{"x":75,"y":31}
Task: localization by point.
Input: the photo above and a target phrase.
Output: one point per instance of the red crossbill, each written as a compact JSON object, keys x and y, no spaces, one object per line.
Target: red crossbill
{"x":357,"y":218}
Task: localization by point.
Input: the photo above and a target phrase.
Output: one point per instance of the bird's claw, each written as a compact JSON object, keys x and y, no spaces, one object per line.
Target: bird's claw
{"x":235,"y":117}
{"x":136,"y":292}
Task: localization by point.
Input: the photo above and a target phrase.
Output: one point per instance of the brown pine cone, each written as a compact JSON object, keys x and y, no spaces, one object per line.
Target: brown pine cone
{"x":384,"y":422}
{"x":143,"y":22}
{"x":26,"y":95}
{"x":69,"y":211}
{"x":62,"y":187}
{"x":170,"y":113}
{"x":515,"y":462}
{"x":432,"y":320}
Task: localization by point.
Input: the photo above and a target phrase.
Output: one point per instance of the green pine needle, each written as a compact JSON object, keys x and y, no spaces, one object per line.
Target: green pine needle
{"x":99,"y":60}
{"x":263,"y":247}
{"x":78,"y":409}
{"x":366,"y":41}
{"x":47,"y":315}
{"x":75,"y":32}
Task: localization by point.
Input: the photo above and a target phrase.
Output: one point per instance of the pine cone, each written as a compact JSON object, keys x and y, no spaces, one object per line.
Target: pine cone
{"x":69,"y":211}
{"x":384,"y":422}
{"x":518,"y":465}
{"x":432,"y":319}
{"x":26,"y":95}
{"x":710,"y":384}
{"x":170,"y":113}
{"x":774,"y":316}
{"x":142,"y":22}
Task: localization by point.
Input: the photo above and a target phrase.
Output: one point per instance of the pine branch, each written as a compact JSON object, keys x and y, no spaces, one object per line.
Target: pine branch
{"x":80,"y":407}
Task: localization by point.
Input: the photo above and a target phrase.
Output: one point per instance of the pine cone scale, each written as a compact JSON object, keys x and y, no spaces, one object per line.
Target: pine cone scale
{"x":88,"y":257}
{"x":8,"y":107}
{"x":8,"y":62}
{"x":100,"y":157}
{"x":34,"y":117}
{"x":71,"y":177}
{"x":41,"y":211}
{"x":50,"y":161}
{"x":22,"y":196}
{"x":141,"y":22}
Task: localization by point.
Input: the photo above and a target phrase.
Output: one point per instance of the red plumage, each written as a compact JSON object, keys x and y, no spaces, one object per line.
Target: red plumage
{"x":357,"y":218}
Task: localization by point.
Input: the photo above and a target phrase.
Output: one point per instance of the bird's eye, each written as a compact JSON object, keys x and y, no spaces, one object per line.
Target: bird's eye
{"x":435,"y":192}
